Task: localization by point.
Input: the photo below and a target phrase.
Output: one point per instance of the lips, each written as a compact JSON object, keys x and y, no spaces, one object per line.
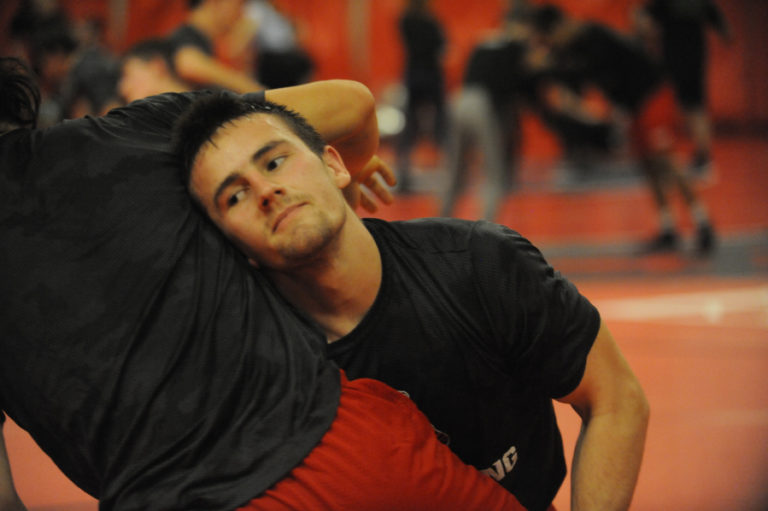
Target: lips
{"x":284,"y":214}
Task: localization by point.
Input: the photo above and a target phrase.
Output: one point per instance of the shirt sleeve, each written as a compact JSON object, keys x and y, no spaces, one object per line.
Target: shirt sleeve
{"x":258,"y":96}
{"x":543,"y":326}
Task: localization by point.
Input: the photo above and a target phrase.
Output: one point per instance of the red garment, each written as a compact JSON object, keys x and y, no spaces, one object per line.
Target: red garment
{"x":382,"y":454}
{"x":654,"y":128}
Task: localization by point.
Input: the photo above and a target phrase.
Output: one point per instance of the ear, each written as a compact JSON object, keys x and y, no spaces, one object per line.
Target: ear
{"x":333,"y":161}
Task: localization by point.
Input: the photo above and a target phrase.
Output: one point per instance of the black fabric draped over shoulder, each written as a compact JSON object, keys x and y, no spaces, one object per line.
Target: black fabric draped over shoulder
{"x":138,"y":348}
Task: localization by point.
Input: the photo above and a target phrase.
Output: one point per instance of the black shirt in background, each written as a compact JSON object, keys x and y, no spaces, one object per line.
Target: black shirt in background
{"x":618,"y":66}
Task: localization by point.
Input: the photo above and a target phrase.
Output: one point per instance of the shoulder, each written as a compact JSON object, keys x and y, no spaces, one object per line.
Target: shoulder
{"x":428,"y":234}
{"x":152,"y":117}
{"x":94,"y":145}
{"x":451,"y":235}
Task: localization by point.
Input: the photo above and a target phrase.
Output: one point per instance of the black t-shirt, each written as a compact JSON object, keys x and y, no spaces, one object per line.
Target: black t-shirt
{"x":479,"y":330}
{"x":498,"y":66}
{"x":618,"y":66}
{"x":423,"y":39}
{"x":138,"y":348}
{"x":682,"y":24}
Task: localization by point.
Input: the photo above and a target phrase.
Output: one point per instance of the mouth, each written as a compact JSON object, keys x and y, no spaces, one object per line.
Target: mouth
{"x":285,"y":214}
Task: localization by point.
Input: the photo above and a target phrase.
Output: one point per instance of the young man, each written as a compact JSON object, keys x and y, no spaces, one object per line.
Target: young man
{"x":158,"y":374}
{"x":466,"y":318}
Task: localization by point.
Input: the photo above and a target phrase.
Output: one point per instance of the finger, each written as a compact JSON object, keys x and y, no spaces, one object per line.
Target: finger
{"x":369,"y":169}
{"x":352,"y":194}
{"x":382,"y":192}
{"x":367,"y":203}
{"x":386,"y":172}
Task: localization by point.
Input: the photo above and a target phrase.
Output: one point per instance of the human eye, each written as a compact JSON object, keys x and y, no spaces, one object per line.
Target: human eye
{"x":235,"y":198}
{"x":274,"y":163}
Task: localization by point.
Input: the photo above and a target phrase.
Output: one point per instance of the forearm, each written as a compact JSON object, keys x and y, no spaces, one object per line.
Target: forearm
{"x":194,"y":66}
{"x":342,"y":111}
{"x":608,"y":454}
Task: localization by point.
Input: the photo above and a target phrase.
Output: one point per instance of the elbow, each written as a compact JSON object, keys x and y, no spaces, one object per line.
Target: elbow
{"x":361,"y":97}
{"x":359,"y":92}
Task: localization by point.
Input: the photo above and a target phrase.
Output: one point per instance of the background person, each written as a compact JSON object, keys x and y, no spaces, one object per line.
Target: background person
{"x":677,"y":30}
{"x":147,"y":69}
{"x":424,"y":43}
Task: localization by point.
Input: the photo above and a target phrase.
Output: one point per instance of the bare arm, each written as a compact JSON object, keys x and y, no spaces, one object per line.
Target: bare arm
{"x":344,"y":113}
{"x":614,"y":413}
{"x":9,"y":499}
{"x":195,"y":66}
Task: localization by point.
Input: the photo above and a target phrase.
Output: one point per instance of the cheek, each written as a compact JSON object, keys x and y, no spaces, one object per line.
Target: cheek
{"x":245,"y":231}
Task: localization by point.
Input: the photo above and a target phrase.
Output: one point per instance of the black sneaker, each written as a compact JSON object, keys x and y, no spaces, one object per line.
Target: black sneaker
{"x":665,"y":241}
{"x":705,"y":239}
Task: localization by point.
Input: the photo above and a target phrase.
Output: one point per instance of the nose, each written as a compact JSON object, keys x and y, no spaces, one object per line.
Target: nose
{"x":269,"y":194}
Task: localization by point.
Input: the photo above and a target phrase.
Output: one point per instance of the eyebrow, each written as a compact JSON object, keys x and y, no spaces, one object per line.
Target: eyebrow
{"x":231,"y":178}
{"x":234,"y":176}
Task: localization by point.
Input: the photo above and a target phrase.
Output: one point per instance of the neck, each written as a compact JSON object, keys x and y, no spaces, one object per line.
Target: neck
{"x":338,"y":286}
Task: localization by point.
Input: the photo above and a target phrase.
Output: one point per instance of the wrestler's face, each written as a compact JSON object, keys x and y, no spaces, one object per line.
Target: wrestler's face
{"x":278,"y":201}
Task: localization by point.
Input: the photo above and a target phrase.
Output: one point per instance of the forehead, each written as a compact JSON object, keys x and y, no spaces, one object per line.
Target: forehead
{"x":234,"y":144}
{"x":246,"y":134}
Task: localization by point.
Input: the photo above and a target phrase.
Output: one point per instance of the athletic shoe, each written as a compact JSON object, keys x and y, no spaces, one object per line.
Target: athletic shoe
{"x":665,"y":241}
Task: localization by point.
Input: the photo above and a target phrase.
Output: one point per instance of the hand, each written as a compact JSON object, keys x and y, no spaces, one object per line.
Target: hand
{"x":367,"y":177}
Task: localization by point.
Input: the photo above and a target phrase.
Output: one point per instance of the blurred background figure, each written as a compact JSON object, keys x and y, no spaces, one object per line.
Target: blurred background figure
{"x":676,"y":30}
{"x":585,"y":54}
{"x":281,"y":61}
{"x":194,"y":50}
{"x":52,"y":54}
{"x":19,"y":95}
{"x":90,"y":87}
{"x":424,"y":43}
{"x":45,"y":39}
{"x":77,"y":74}
{"x":147,"y":69}
{"x":485,"y":114}
{"x":33,"y":18}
